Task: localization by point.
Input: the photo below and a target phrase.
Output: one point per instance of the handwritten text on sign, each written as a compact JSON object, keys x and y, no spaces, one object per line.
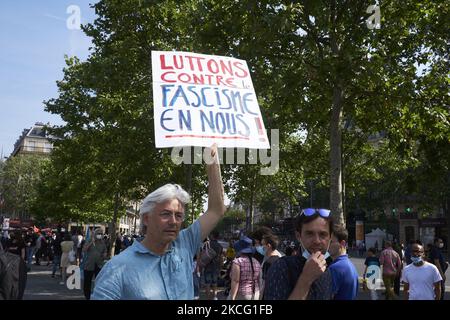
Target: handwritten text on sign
{"x":201,"y":99}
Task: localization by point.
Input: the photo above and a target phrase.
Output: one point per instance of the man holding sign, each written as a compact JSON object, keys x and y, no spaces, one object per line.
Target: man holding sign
{"x":160,"y":267}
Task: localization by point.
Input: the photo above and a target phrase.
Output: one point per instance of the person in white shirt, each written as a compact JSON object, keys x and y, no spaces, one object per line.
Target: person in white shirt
{"x":422,"y":280}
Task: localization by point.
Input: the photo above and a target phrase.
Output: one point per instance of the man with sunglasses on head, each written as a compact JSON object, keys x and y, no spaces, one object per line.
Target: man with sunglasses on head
{"x":304,"y":277}
{"x":160,"y":266}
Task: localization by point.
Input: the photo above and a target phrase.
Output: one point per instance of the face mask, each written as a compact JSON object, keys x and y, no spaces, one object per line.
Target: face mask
{"x":441,"y":245}
{"x":261,"y":250}
{"x":416,"y":260}
{"x":306,"y":253}
{"x":99,"y":236}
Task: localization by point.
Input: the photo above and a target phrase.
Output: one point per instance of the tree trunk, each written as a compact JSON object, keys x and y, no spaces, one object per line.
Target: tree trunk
{"x":136,"y":214}
{"x":336,"y":129}
{"x":447,"y":215}
{"x":113,"y":226}
{"x":335,"y":157}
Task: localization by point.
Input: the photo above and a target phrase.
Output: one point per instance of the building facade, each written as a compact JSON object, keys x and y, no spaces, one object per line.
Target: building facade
{"x":33,"y":141}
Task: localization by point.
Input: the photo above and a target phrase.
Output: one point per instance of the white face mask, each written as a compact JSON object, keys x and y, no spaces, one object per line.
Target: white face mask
{"x":307,"y":255}
{"x":441,"y":245}
{"x":99,"y":236}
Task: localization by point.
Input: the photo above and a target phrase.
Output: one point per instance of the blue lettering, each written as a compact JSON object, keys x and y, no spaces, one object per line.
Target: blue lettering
{"x":231,"y":126}
{"x":224,"y":92}
{"x":246,"y":98}
{"x":210,"y":121}
{"x":164,"y":119}
{"x":165,"y":89}
{"x":219,"y":103}
{"x":237,"y":96}
{"x":222,"y":119}
{"x":247,"y":129}
{"x":191,"y":89}
{"x":179,"y":93}
{"x":183,"y":119}
{"x":204,"y":98}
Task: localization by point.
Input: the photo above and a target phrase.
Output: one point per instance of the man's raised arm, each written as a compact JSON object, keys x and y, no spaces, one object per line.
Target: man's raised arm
{"x":216,"y":206}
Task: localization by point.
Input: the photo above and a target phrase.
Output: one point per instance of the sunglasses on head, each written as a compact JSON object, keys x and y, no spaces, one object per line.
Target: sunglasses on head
{"x":308,"y":212}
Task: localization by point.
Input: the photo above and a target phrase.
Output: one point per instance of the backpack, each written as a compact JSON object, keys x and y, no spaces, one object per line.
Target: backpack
{"x":13,"y":276}
{"x":207,"y":255}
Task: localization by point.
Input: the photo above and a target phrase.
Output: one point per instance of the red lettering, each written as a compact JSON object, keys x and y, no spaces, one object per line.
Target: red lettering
{"x":226,"y":68}
{"x":162,"y":59}
{"x":198,"y":60}
{"x":191,"y":65}
{"x":208,"y":77}
{"x":210,"y":66}
{"x":199,"y":64}
{"x":198,"y":79}
{"x":238,"y":65}
{"x":178,"y":64}
{"x":165,"y":74}
{"x":229,"y":82}
{"x":184,"y":77}
{"x":219,"y":80}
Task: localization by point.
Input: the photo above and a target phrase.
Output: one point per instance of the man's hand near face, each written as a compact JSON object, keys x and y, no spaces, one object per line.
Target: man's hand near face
{"x":314,"y":267}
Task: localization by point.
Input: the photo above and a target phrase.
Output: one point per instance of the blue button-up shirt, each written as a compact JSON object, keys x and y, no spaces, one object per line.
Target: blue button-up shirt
{"x":137,"y":273}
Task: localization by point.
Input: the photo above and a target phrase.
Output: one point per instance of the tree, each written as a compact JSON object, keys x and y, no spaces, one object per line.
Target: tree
{"x":315,"y":66}
{"x":19,"y":177}
{"x":232,"y":221}
{"x":105,"y":149}
{"x":317,"y":63}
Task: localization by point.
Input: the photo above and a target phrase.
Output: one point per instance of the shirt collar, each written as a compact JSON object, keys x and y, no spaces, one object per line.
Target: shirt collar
{"x":138,"y":247}
{"x":341,"y":257}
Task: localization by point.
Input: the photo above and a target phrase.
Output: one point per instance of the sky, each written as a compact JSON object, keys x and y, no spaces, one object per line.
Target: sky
{"x":34,"y":37}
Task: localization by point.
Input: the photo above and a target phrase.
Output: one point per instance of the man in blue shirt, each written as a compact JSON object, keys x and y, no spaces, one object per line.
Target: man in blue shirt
{"x":160,"y":266}
{"x":343,"y":272}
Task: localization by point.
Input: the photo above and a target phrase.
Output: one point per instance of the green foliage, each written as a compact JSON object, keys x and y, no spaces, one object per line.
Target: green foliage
{"x":234,"y":220}
{"x":19,"y":179}
{"x":303,"y":57}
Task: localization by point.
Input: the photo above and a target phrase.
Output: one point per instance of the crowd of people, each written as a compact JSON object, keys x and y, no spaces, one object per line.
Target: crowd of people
{"x":60,"y":249}
{"x":420,"y":268}
{"x":171,"y":263}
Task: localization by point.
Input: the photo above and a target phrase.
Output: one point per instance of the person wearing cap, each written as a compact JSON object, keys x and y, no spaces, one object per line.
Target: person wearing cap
{"x":245,"y":272}
{"x":160,"y":266}
{"x":304,"y":276}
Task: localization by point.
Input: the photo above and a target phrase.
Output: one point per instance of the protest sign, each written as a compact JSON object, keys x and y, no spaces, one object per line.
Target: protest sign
{"x":201,"y":99}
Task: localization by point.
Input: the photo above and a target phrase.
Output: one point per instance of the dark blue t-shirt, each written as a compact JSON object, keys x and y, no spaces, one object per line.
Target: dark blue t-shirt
{"x":345,"y":278}
{"x":372,"y":261}
{"x":282,"y":277}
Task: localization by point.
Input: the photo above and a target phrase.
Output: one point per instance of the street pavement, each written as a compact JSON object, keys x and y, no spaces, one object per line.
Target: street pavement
{"x":41,"y":286}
